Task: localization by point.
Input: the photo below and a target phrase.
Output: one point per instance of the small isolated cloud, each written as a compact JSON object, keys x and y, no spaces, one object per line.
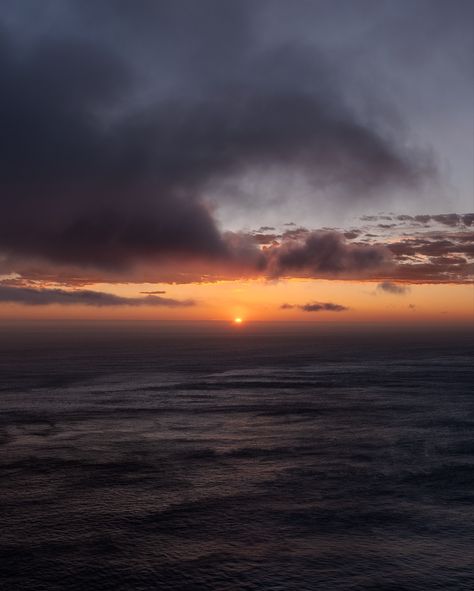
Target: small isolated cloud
{"x":393,"y":288}
{"x":42,"y":297}
{"x":157,"y":292}
{"x":316,"y":307}
{"x":351,"y":234}
{"x":324,"y":306}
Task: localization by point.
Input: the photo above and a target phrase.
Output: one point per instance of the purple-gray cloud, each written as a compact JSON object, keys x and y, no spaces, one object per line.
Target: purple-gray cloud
{"x":323,"y":253}
{"x":41,"y":297}
{"x":393,"y":288}
{"x":316,"y":307}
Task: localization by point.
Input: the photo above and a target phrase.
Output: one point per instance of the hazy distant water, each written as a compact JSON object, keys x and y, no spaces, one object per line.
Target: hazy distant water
{"x":255,"y":460}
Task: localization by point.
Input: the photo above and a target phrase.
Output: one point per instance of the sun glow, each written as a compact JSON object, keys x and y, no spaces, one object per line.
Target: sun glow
{"x":238,"y":320}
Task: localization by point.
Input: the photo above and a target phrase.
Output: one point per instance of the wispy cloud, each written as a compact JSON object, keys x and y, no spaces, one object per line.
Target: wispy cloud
{"x":41,"y":297}
{"x":316,"y":307}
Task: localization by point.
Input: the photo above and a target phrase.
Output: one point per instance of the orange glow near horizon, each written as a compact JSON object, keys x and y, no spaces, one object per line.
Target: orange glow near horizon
{"x":261,"y":300}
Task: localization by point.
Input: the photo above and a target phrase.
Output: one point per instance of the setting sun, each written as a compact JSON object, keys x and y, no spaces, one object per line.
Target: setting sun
{"x":238,"y":320}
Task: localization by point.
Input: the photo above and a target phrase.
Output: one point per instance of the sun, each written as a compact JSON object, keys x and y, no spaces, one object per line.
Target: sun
{"x":238,"y":320}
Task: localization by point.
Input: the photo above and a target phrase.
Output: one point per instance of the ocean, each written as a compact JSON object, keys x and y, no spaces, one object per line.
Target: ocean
{"x":215,"y":458}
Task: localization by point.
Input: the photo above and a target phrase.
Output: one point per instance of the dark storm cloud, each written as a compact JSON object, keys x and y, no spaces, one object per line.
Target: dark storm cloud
{"x":118,"y":117}
{"x":393,"y":288}
{"x":41,"y":297}
{"x":75,"y":187}
{"x":316,"y":307}
{"x":326,"y":253}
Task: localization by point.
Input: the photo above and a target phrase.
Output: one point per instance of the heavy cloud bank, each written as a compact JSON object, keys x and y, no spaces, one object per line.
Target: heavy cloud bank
{"x":109,"y":148}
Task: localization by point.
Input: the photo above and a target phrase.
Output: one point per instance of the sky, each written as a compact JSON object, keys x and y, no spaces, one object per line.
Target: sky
{"x":262,"y":159}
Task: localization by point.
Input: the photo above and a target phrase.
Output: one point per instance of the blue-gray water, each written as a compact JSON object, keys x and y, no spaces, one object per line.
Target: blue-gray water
{"x":259,"y":460}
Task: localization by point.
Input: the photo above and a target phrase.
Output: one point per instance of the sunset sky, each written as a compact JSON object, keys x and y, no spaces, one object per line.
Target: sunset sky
{"x":261,"y":159}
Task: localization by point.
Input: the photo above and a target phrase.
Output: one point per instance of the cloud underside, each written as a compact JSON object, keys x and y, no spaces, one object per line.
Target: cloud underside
{"x":42,"y":297}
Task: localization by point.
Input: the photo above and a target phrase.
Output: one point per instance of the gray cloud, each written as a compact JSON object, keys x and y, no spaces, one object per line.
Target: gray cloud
{"x":326,"y":253}
{"x":316,"y":307}
{"x":393,"y":288}
{"x":41,"y":297}
{"x":324,"y":306}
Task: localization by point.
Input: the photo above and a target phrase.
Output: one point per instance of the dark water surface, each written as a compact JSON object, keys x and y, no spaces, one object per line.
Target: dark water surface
{"x":267,"y":459}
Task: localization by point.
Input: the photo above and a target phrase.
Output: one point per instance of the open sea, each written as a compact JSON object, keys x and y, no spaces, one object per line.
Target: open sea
{"x":213,"y":458}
